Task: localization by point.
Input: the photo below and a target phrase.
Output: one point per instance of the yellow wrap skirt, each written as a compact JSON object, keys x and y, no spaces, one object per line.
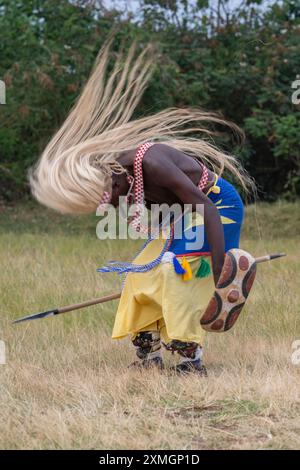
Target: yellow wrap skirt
{"x":160,"y":299}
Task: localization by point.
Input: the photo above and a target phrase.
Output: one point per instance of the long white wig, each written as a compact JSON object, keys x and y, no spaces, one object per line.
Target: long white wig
{"x":76,"y":165}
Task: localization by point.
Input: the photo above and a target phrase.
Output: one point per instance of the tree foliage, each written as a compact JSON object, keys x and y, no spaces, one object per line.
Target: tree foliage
{"x":240,"y":61}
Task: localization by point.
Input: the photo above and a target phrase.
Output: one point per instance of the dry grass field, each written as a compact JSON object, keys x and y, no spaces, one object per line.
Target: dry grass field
{"x":65,"y":384}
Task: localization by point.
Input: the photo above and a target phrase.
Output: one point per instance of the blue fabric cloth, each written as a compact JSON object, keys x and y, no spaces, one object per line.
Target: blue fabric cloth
{"x":231,"y":210}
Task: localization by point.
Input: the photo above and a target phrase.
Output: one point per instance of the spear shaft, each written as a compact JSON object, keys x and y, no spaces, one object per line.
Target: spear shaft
{"x":107,"y":298}
{"x":69,"y":308}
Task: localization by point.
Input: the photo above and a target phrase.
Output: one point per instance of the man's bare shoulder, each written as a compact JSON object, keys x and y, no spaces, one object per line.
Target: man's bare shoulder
{"x":159,"y":163}
{"x":158,"y":156}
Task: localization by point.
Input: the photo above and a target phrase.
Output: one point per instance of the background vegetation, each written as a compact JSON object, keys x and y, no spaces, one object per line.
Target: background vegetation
{"x":65,"y":384}
{"x":239,"y":58}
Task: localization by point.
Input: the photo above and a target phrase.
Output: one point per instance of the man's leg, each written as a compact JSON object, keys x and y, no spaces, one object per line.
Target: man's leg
{"x":190,"y":357}
{"x":148,"y":348}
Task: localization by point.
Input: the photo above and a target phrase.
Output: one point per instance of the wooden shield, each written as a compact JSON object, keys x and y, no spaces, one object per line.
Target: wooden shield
{"x":232,"y":290}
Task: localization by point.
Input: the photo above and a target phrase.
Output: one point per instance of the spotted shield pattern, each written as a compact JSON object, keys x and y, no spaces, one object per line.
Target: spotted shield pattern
{"x":232,"y":290}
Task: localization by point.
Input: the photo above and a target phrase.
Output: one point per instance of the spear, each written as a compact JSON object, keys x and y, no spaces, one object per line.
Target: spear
{"x":107,"y":298}
{"x":69,"y":308}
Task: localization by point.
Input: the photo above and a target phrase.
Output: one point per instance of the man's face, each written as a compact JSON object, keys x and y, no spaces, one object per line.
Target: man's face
{"x":119,"y":188}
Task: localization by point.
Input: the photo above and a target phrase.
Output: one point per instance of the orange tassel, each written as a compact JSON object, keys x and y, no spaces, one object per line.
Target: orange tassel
{"x":188,"y":275}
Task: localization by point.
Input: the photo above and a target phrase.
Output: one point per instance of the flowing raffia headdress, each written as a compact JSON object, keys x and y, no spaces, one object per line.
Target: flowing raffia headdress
{"x":76,"y":166}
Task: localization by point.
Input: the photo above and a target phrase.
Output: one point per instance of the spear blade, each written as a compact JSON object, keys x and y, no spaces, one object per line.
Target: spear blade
{"x":34,"y":316}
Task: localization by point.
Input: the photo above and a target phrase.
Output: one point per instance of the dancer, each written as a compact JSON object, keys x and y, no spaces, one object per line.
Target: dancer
{"x":100,"y":154}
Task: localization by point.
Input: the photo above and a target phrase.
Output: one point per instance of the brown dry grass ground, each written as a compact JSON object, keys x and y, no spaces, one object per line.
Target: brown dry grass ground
{"x":65,"y":382}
